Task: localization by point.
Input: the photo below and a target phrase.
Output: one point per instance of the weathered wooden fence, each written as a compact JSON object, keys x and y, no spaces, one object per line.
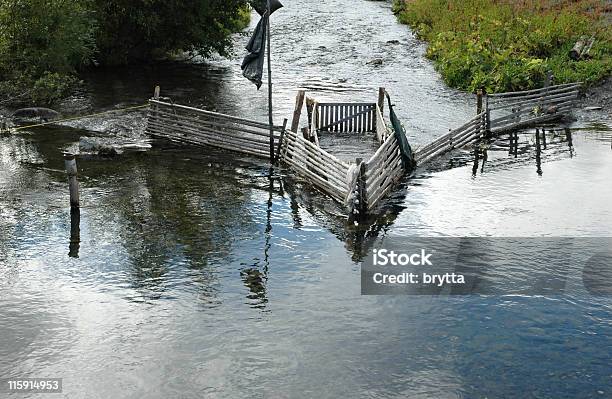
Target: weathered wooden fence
{"x":473,"y":131}
{"x":185,"y":124}
{"x":359,"y":186}
{"x":362,"y":185}
{"x":503,"y":113}
{"x":345,"y":117}
{"x":516,"y":110}
{"x":320,"y":168}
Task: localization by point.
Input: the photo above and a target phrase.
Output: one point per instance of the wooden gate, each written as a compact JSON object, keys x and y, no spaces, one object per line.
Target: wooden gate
{"x":345,"y":117}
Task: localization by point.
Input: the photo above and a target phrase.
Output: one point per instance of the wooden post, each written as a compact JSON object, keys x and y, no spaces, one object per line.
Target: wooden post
{"x":270,"y":118}
{"x":479,"y":101}
{"x":476,"y":160}
{"x":73,"y":181}
{"x":156,"y":93}
{"x":306,"y":133}
{"x":75,"y":233}
{"x":488,"y":124}
{"x":362,"y":189}
{"x":280,"y":141}
{"x":381,"y":99}
{"x":359,"y":207}
{"x":297,"y":112}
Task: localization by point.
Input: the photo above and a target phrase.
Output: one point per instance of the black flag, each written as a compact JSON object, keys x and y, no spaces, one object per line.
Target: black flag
{"x":252,"y":66}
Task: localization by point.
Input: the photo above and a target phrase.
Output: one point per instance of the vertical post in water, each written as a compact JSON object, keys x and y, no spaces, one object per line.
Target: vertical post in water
{"x":381,"y":99}
{"x":75,"y":233}
{"x":270,"y":119}
{"x":73,"y":181}
{"x":297,"y":112}
{"x":359,"y":205}
{"x":156,"y":93}
{"x":479,"y":101}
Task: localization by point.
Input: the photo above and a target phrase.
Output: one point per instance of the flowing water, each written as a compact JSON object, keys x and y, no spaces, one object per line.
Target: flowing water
{"x":198,"y":276}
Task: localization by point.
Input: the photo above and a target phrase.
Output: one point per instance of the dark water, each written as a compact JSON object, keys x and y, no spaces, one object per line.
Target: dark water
{"x":198,"y":276}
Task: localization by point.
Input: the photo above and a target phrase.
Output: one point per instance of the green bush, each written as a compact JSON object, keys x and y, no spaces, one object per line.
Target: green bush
{"x":140,"y":30}
{"x":44,"y":43}
{"x":506,"y":46}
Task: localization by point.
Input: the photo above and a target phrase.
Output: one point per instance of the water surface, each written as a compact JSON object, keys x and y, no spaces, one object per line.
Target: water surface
{"x":199,"y":276}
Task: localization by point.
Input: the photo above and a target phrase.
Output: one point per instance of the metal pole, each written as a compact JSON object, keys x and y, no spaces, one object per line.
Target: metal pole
{"x":270,"y":119}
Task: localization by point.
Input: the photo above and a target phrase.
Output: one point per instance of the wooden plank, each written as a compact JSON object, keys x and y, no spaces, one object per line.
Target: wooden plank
{"x":200,"y":142}
{"x":336,"y":117}
{"x":376,"y":180}
{"x":170,"y":117}
{"x":198,"y":137}
{"x":227,"y":133}
{"x":380,"y":151}
{"x":320,"y":151}
{"x":387,"y":150}
{"x":541,"y":100}
{"x":527,"y":92}
{"x":322,"y":184}
{"x":378,"y":195}
{"x":327,"y":166}
{"x":393,"y":173}
{"x":319,"y":168}
{"x":297,"y":112}
{"x":345,"y":104}
{"x":214,"y":114}
{"x":561,"y":110}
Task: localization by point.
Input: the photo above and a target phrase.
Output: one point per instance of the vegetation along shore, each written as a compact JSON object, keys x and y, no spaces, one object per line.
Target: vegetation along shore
{"x":506,"y":45}
{"x":44,"y":44}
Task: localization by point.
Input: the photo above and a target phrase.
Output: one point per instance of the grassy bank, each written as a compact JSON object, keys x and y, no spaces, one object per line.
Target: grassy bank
{"x":507,"y":45}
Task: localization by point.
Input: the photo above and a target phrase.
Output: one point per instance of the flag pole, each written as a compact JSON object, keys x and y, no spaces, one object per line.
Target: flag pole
{"x":270,"y":119}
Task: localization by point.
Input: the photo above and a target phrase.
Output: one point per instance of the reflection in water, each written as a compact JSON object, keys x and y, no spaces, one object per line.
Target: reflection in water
{"x":174,"y":240}
{"x":538,"y":152}
{"x":570,"y":141}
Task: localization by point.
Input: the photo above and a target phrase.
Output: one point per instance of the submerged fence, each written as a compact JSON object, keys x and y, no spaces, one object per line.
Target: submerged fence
{"x":363,"y":185}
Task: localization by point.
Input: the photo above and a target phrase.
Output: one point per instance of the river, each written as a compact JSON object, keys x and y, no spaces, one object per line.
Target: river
{"x":197,"y":276}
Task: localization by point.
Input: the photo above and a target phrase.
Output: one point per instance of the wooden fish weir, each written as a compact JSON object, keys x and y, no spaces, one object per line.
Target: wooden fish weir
{"x":360,"y":186}
{"x":185,"y":124}
{"x":503,"y":113}
{"x":509,"y":111}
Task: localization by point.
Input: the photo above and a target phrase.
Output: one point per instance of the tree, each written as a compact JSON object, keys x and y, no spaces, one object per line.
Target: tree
{"x":141,"y":30}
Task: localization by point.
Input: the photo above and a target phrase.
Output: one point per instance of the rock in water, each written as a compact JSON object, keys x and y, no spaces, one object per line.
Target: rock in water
{"x":99,"y":146}
{"x":45,"y":114}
